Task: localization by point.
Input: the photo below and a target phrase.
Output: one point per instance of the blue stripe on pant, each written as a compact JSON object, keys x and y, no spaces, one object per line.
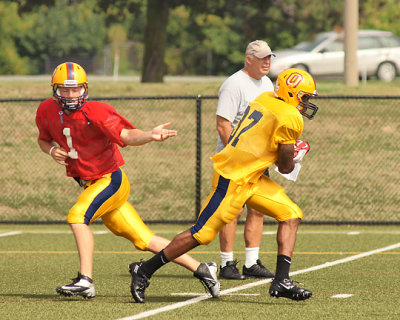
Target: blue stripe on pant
{"x":112,"y":188}
{"x":213,"y":205}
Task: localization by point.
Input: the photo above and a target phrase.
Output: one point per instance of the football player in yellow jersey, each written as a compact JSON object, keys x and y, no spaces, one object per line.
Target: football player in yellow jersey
{"x":264,"y":136}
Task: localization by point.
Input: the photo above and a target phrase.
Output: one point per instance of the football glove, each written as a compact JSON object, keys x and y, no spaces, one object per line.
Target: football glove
{"x":301,"y":148}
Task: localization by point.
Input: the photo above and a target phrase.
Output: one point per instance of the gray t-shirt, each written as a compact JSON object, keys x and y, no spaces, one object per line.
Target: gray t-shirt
{"x":235,"y":94}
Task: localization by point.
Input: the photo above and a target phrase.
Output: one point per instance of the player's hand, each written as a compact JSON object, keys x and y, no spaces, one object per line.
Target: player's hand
{"x":159,"y":133}
{"x":301,"y":148}
{"x":59,"y":154}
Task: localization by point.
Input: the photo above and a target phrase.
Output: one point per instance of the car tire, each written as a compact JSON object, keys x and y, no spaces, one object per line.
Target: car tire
{"x":386,"y":71}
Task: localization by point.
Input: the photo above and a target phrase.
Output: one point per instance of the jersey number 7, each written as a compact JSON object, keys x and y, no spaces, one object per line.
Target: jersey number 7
{"x":255,"y":116}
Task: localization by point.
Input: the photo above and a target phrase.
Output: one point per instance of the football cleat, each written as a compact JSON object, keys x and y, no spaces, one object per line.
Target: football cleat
{"x":139,"y":282}
{"x":81,"y":286}
{"x":285,"y":288}
{"x":207,"y":274}
{"x":257,"y":271}
{"x":230,"y":271}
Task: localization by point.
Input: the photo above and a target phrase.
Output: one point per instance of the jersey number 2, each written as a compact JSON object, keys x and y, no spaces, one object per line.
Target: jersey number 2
{"x":255,"y":116}
{"x":72,"y":151}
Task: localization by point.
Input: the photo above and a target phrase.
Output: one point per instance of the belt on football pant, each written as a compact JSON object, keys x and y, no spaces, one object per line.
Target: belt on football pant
{"x":81,"y":182}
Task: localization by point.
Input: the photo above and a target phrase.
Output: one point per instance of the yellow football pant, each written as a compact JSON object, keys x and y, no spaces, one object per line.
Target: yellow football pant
{"x":227,"y":198}
{"x":106,"y":198}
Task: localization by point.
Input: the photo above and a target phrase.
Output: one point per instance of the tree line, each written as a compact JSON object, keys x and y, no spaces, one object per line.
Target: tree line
{"x":158,"y":37}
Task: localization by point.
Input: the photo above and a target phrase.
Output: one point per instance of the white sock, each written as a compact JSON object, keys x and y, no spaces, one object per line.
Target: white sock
{"x":251,"y":256}
{"x":225,"y":257}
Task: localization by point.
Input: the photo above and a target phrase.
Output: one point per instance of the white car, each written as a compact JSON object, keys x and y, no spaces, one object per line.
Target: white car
{"x":378,"y":55}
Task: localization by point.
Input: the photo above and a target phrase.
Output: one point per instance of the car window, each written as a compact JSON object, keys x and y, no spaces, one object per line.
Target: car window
{"x":390,"y":41}
{"x":308,"y":46}
{"x":303,"y":46}
{"x":368,"y":42}
{"x":336,"y":45}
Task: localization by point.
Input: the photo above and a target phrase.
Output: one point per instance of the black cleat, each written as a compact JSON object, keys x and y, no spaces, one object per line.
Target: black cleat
{"x":285,"y":288}
{"x":139,"y":282}
{"x":230,"y":271}
{"x":257,"y":271}
{"x":207,"y":274}
{"x":81,"y":286}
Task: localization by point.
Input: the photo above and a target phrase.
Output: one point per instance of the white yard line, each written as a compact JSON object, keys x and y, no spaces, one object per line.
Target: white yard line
{"x":342,"y":295}
{"x":334,"y":232}
{"x":173,"y":306}
{"x":11,"y":233}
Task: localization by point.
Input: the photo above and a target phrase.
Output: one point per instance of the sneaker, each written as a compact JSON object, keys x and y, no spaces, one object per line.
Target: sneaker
{"x":230,"y":271}
{"x":257,"y":271}
{"x":285,"y":288}
{"x":139,"y":282}
{"x":207,"y":274}
{"x":81,"y":286}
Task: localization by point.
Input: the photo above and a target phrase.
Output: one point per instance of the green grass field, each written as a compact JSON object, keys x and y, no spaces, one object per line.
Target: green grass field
{"x":36,"y":259}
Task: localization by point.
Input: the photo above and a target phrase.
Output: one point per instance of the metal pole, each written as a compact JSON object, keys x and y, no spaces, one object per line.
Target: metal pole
{"x":198,"y":156}
{"x":351,"y":42}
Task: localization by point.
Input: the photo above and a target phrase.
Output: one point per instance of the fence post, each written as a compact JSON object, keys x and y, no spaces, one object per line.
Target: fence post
{"x":198,"y":156}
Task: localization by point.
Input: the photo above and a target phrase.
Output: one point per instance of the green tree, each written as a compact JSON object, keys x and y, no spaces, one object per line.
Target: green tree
{"x":179,"y":36}
{"x":156,"y":23}
{"x":205,"y":43}
{"x":380,"y":14}
{"x":155,"y":40}
{"x":130,"y":15}
{"x":10,"y":61}
{"x":211,"y":36}
{"x":64,"y":30}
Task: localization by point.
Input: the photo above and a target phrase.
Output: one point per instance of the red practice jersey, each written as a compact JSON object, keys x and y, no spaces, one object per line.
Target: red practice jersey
{"x":90,"y":135}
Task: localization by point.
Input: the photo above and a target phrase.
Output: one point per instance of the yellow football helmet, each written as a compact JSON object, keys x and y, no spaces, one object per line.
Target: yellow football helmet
{"x":69,"y":74}
{"x":296,"y":87}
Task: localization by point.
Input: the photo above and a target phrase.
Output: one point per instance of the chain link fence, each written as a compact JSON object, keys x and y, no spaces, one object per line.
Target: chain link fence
{"x":351,"y":174}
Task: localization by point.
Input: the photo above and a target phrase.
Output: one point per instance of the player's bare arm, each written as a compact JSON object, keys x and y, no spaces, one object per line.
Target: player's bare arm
{"x":137,"y":137}
{"x":224,"y":128}
{"x":59,"y":154}
{"x":285,"y":161}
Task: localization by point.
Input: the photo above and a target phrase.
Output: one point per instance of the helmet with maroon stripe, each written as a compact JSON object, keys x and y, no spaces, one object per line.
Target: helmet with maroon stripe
{"x":69,"y":75}
{"x":296,"y":87}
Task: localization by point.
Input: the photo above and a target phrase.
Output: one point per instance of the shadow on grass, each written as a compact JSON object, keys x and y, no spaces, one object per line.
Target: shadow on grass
{"x":17,"y":297}
{"x":221,"y":300}
{"x":165,"y":276}
{"x":150,"y":299}
{"x":51,"y":297}
{"x":163,"y":299}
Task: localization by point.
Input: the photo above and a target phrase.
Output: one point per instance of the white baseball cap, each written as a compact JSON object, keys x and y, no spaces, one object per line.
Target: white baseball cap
{"x":259,"y":48}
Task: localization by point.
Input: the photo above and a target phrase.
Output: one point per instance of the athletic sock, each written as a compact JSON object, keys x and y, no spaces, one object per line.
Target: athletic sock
{"x":225,"y":257}
{"x":282,"y":267}
{"x":152,"y":265}
{"x":251,"y":256}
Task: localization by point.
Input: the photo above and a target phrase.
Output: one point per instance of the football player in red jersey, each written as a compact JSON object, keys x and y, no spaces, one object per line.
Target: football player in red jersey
{"x":84,"y":136}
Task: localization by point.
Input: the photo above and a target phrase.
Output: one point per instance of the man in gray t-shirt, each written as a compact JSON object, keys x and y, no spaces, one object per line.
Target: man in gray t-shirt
{"x":234,"y":95}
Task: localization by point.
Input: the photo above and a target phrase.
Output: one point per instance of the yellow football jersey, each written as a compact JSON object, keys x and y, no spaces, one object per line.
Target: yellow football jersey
{"x":253,"y":144}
